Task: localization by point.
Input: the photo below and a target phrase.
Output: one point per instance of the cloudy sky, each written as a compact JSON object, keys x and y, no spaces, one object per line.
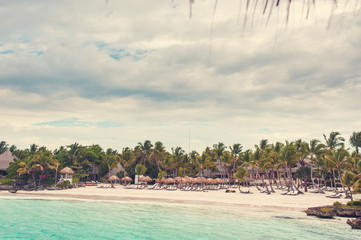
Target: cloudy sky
{"x":116,"y":73}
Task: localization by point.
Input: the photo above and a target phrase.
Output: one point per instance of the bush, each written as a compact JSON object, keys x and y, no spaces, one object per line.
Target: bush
{"x":337,"y":204}
{"x":6,"y":181}
{"x":75,"y":180}
{"x":354,"y":203}
{"x":326,"y":209}
{"x":103,"y":179}
{"x":65,"y":184}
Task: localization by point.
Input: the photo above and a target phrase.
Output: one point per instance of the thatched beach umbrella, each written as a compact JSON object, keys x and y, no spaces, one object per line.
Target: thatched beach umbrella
{"x":112,"y":179}
{"x":178,"y":179}
{"x":145,"y":179}
{"x":126,"y":179}
{"x":170,"y":181}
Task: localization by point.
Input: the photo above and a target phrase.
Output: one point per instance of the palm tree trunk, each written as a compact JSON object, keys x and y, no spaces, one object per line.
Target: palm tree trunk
{"x":41,"y":174}
{"x":313,"y":182}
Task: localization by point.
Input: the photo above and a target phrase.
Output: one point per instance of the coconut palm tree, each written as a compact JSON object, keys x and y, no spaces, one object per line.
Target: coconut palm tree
{"x":218,"y":150}
{"x":3,"y":147}
{"x":236,"y":149}
{"x":157,"y":154}
{"x":145,"y":149}
{"x":126,"y":159}
{"x":314,"y":149}
{"x":334,"y":140}
{"x":355,"y":141}
{"x":349,"y":179}
{"x":45,"y":160}
{"x":111,"y":159}
{"x":241,"y":176}
{"x":289,"y":155}
{"x":140,"y":169}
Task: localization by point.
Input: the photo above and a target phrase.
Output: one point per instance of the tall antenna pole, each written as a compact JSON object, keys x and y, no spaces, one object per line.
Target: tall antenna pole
{"x":189,"y":143}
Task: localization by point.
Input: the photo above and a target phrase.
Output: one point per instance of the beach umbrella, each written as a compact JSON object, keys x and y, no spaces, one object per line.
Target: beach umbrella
{"x":126,"y":179}
{"x":113,"y":178}
{"x":148,"y":179}
{"x":145,"y":179}
{"x":163,"y":180}
{"x":178,"y":179}
{"x":219,"y":181}
{"x":170,"y":180}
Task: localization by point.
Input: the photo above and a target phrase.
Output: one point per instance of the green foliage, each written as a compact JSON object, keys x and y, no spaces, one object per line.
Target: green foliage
{"x":103,"y":170}
{"x":6,"y":181}
{"x":326,"y":209}
{"x":303,"y":173}
{"x":103,"y":179}
{"x":12,"y":170}
{"x":337,"y":204}
{"x":75,"y":180}
{"x":120,"y":174}
{"x":354,"y":203}
{"x":161,"y":174}
{"x":65,"y":184}
{"x":241,"y":174}
{"x":140,"y":169}
{"x":152,"y":170}
{"x":348,"y":178}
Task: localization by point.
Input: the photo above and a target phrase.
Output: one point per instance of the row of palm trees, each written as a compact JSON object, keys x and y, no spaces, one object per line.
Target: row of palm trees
{"x":268,"y":165}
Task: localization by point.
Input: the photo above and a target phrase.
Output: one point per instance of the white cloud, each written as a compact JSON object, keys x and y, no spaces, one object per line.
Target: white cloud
{"x":170,"y":74}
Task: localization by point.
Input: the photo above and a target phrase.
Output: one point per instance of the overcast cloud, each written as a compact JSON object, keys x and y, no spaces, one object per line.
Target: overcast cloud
{"x":119,"y":72}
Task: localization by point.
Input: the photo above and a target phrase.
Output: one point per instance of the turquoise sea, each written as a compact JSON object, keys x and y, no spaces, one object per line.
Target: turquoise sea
{"x":55,"y":219}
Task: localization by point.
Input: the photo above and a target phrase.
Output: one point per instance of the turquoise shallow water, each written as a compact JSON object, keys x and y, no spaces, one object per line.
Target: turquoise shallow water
{"x":42,"y":219}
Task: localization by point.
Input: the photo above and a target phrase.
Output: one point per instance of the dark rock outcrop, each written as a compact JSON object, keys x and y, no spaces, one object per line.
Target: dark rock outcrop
{"x":355,"y":224}
{"x":346,"y":212}
{"x":321,"y":212}
{"x":331,"y":211}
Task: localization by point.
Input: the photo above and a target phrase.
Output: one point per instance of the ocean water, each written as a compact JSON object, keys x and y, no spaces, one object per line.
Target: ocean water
{"x":53,"y":219}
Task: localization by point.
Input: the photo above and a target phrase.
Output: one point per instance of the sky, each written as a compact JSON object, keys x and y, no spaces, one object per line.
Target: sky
{"x":117,"y":72}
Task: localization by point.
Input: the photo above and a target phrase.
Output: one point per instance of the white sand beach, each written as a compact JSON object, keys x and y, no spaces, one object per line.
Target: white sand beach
{"x":220,"y":197}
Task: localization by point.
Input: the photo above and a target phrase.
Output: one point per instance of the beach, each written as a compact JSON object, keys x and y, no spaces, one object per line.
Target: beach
{"x":119,"y":193}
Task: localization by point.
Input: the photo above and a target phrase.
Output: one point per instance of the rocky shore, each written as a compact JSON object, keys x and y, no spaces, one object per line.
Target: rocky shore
{"x":332,"y":211}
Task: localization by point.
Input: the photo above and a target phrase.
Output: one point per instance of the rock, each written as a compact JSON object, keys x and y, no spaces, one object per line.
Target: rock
{"x":344,"y":212}
{"x":355,"y":224}
{"x":321,"y":212}
{"x":327,"y":211}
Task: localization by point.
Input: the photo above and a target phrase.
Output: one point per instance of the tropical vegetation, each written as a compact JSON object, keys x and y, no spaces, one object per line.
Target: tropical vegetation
{"x":293,"y":166}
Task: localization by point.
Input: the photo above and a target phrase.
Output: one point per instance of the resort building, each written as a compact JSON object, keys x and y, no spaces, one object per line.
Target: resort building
{"x":66,"y":174}
{"x":5,"y":159}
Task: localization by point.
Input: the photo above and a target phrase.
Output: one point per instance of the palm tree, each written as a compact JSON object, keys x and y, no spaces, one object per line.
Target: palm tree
{"x":241,"y":176}
{"x":111,"y":159}
{"x":3,"y":147}
{"x":218,"y":150}
{"x":29,"y":166}
{"x":145,"y":150}
{"x":314,"y":149}
{"x":45,"y":160}
{"x":348,"y":180}
{"x":140,"y":169}
{"x":355,"y":141}
{"x":236,"y":149}
{"x":126,"y":159}
{"x":334,"y":140}
{"x":157,"y":153}
{"x":289,"y":156}
{"x":340,"y":158}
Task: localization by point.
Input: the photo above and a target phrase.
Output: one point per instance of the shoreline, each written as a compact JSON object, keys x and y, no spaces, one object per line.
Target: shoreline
{"x":274,"y":201}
